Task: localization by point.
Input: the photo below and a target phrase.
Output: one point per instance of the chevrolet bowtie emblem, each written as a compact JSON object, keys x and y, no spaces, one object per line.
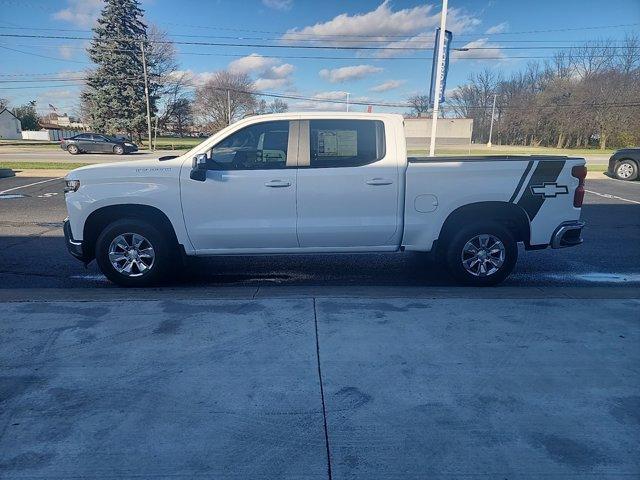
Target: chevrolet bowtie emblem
{"x":549,"y":190}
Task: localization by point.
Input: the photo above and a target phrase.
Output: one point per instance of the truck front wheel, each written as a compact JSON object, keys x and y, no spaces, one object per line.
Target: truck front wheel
{"x":134,"y":253}
{"x":481,"y":254}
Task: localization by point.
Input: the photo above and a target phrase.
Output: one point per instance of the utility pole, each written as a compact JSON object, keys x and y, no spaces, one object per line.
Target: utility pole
{"x":155,"y":134}
{"x":347,"y":100}
{"x":229,"y":107}
{"x":439,"y":66}
{"x":146,"y":92}
{"x":493,"y":114}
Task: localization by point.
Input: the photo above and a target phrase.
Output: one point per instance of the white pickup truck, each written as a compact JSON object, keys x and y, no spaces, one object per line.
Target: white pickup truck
{"x":320,"y":182}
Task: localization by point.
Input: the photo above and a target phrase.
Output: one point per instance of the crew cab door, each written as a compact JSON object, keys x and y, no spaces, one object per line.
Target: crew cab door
{"x":248,"y":199}
{"x":348,"y":191}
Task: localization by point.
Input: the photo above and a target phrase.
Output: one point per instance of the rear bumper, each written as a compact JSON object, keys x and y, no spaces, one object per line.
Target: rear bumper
{"x":75,"y":247}
{"x":568,"y":234}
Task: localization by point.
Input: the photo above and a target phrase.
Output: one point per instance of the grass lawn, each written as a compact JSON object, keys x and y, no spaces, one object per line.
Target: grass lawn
{"x":171,"y":143}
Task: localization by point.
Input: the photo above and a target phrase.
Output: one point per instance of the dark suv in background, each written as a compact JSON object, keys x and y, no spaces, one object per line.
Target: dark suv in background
{"x":97,"y":143}
{"x":624,"y":164}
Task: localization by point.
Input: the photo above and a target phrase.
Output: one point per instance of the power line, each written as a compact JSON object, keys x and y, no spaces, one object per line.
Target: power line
{"x":374,"y":39}
{"x":597,"y":27}
{"x":334,"y":36}
{"x":41,"y":56}
{"x":347,"y":58}
{"x":396,"y":104}
{"x":313,"y":47}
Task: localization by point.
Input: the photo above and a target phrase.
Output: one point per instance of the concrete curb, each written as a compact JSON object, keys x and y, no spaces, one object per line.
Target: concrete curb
{"x":110,"y":293}
{"x":6,"y":173}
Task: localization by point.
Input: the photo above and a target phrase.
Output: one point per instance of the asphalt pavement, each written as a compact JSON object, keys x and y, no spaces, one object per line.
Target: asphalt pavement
{"x":33,"y":255}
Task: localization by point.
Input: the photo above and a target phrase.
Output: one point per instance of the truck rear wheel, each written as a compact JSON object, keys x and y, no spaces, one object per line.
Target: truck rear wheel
{"x":481,"y":254}
{"x":134,"y":253}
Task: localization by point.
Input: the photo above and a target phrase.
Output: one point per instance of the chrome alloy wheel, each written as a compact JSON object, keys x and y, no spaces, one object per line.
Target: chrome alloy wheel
{"x":131,"y":254}
{"x":624,"y":170}
{"x":483,"y":255}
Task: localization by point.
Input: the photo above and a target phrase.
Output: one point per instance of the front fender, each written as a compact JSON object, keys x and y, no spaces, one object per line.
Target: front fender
{"x":158,"y":194}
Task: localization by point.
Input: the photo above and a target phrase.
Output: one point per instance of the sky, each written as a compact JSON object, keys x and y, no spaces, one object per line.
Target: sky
{"x":501,"y":30}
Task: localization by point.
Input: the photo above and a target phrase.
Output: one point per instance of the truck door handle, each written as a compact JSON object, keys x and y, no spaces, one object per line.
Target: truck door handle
{"x":277,"y":184}
{"x":379,"y":181}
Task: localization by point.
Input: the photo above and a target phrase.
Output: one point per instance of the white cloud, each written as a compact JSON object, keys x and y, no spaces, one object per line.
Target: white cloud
{"x":381,"y":25}
{"x":65,"y":51}
{"x":500,"y":28}
{"x":344,"y":74}
{"x":82,"y":13}
{"x":271,"y":73}
{"x":195,"y":78}
{"x":488,"y":51}
{"x":253,"y":63}
{"x":271,"y":83}
{"x":389,"y":85}
{"x":278,"y":4}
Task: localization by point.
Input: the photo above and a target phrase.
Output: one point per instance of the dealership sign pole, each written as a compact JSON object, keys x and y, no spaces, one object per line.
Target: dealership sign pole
{"x":438,"y":74}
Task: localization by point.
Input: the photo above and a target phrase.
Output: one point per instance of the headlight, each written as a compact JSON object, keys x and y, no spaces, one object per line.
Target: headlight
{"x":129,"y":144}
{"x":71,"y":186}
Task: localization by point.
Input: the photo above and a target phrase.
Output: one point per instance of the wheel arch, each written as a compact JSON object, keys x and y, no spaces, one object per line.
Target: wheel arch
{"x":508,"y":214}
{"x":100,"y":218}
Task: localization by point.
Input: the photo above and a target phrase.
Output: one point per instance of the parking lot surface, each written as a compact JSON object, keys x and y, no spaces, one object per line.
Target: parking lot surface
{"x":320,"y":388}
{"x":32,"y":251}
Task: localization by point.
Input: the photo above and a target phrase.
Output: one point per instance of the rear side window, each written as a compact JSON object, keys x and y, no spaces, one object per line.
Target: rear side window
{"x":345,"y":143}
{"x":83,"y":136}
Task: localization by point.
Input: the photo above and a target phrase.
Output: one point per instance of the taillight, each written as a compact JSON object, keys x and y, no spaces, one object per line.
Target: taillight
{"x":579,"y":172}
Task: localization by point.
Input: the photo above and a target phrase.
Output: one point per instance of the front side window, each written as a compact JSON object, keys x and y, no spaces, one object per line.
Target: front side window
{"x":346,"y":143}
{"x":261,"y":146}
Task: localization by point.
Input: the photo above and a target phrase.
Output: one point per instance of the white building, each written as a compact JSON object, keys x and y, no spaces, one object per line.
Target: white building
{"x":449,"y":131}
{"x":10,"y":127}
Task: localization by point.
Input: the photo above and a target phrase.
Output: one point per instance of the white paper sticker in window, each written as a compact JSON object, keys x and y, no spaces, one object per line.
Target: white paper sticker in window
{"x":337,"y":143}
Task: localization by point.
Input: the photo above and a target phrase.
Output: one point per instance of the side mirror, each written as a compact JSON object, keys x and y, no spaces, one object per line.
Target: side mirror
{"x":199,"y":167}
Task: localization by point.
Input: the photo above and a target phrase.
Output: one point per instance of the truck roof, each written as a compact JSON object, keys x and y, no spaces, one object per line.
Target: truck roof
{"x":327,"y":115}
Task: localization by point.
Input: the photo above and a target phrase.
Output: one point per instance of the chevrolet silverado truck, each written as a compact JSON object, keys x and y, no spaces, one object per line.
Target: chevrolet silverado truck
{"x":320,"y":183}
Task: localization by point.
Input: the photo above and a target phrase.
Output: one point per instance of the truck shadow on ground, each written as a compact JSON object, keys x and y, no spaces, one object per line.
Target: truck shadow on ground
{"x":611,"y":246}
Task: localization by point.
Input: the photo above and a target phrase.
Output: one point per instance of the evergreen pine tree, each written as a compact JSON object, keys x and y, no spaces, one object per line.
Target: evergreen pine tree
{"x":115,"y":88}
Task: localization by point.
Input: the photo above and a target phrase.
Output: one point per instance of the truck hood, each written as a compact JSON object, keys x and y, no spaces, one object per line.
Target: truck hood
{"x":126,"y":170}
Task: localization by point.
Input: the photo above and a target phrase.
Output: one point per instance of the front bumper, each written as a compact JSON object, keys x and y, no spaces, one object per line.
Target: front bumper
{"x":74,"y":246}
{"x":568,"y":234}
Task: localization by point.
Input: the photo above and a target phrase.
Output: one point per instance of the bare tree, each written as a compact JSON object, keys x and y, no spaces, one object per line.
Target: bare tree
{"x":419,"y":105}
{"x":3,"y":103}
{"x":224,"y":98}
{"x":277,"y":106}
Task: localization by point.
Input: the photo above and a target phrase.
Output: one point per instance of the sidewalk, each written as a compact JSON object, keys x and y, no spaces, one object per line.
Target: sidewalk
{"x":368,"y":386}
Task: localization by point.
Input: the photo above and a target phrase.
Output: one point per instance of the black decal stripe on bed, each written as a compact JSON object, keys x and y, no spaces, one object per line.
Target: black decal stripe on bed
{"x":546,"y":171}
{"x":522,"y":179}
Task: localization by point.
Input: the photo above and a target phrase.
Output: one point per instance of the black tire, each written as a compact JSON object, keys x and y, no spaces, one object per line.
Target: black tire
{"x":163,"y":249}
{"x":118,"y":149}
{"x":73,"y":149}
{"x":626,"y":169}
{"x":454,"y":256}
